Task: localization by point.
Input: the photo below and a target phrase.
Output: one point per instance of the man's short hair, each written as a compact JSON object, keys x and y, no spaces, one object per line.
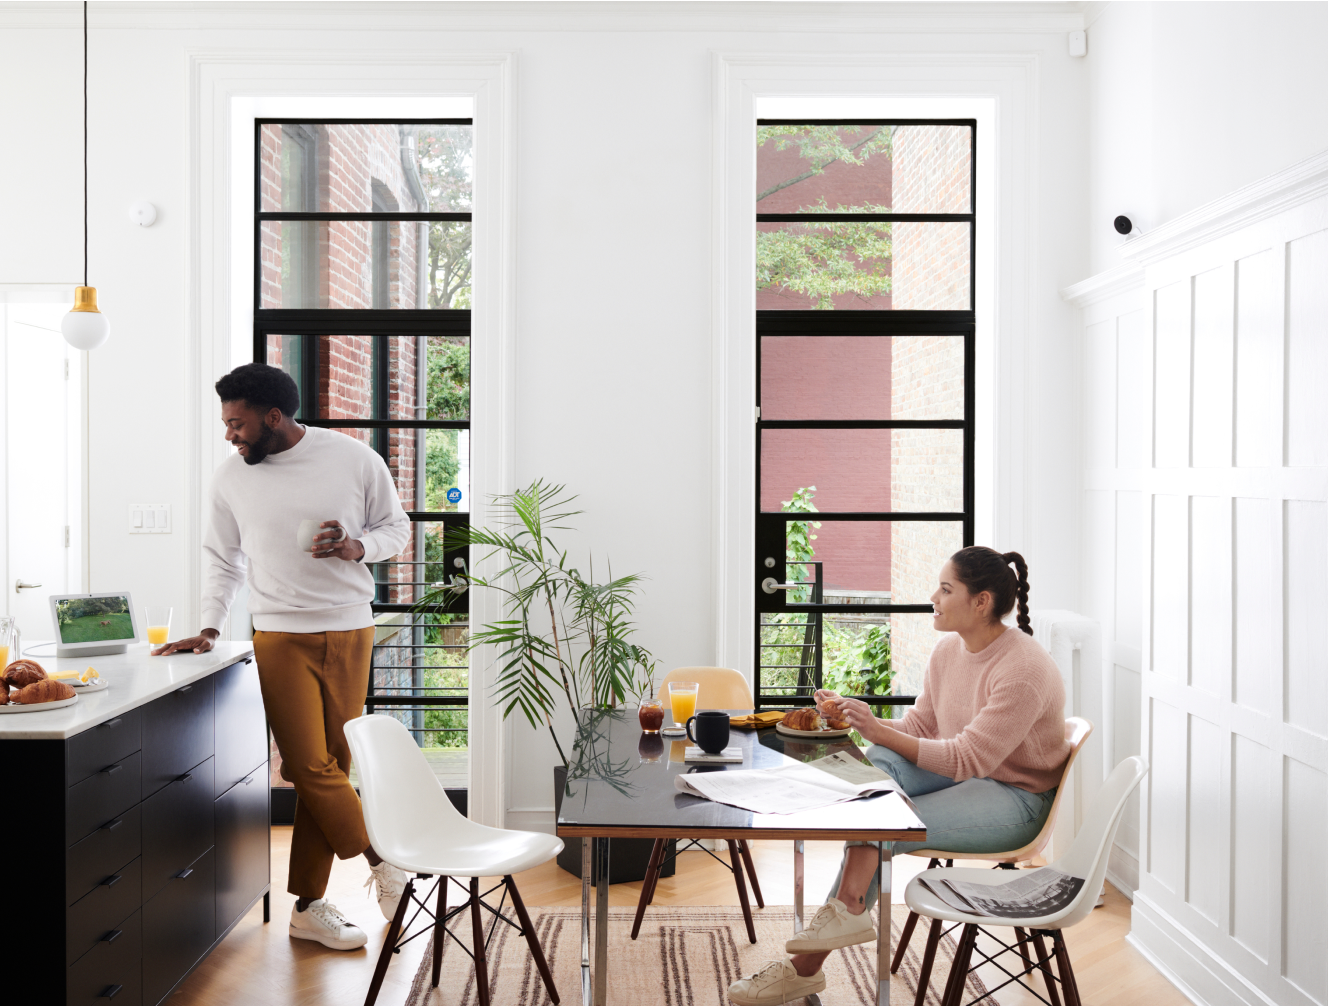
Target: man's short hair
{"x":262,"y":387}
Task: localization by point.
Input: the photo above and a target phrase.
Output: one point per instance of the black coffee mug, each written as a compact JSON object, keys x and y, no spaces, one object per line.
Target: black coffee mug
{"x":712,"y":730}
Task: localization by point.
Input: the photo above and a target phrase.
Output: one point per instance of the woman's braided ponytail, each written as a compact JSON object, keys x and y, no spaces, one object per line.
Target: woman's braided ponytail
{"x":980,"y":568}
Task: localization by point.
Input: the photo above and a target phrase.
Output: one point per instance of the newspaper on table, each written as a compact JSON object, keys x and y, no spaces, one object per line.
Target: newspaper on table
{"x":790,"y":788}
{"x":1030,"y":895}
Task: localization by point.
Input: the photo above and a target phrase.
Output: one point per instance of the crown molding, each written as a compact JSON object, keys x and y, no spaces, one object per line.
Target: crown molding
{"x":826,"y":17}
{"x":1267,"y":197}
{"x":1119,"y":279}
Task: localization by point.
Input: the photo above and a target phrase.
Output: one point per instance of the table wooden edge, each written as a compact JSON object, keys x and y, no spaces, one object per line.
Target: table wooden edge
{"x":751,"y":834}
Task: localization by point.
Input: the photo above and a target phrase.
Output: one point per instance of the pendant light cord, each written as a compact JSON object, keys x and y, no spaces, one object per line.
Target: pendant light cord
{"x":85,"y":142}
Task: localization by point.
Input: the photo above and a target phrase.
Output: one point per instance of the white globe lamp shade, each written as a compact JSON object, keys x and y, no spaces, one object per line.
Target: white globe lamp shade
{"x":85,"y":327}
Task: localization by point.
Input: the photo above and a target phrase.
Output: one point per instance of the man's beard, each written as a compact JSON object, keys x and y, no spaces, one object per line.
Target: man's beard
{"x":261,"y":447}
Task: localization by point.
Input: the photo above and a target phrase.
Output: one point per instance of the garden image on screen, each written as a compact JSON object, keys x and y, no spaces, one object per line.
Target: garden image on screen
{"x":93,"y":619}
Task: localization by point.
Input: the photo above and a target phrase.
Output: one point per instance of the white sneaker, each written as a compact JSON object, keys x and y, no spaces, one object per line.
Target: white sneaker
{"x":391,"y":884}
{"x":775,"y":983}
{"x":322,"y":923}
{"x":832,"y":928}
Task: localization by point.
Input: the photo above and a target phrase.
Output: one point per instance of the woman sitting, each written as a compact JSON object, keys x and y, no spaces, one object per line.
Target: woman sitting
{"x":980,"y":755}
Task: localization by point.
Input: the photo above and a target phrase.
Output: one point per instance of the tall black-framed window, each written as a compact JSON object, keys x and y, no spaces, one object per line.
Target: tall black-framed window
{"x":362,"y":293}
{"x":865,"y":350}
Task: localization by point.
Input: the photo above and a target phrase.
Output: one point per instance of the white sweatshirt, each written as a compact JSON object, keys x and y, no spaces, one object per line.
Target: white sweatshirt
{"x":256,"y":510}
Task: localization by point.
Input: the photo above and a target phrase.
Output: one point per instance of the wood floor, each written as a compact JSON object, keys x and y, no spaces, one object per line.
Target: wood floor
{"x":260,"y":965}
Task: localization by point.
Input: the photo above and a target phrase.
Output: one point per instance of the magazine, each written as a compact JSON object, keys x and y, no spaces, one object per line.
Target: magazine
{"x":1031,"y":895}
{"x":787,"y":789}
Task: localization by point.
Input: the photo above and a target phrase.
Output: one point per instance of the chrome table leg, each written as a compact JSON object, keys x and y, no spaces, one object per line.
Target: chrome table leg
{"x":586,"y":844}
{"x":797,"y":886}
{"x":602,"y":923}
{"x":883,"y":934}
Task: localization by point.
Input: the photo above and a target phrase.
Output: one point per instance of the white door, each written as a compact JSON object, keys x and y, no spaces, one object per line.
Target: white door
{"x":43,"y":462}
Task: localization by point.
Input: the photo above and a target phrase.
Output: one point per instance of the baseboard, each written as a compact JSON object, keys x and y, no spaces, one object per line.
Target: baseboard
{"x":1200,"y":974}
{"x":531,"y":820}
{"x":1123,"y":872}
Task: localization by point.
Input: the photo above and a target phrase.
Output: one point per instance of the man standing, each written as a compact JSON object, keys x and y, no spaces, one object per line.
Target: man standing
{"x":313,"y":626}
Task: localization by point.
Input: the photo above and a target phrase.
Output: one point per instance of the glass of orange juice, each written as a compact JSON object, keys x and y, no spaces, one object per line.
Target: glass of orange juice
{"x":157,"y":618}
{"x":682,"y":700}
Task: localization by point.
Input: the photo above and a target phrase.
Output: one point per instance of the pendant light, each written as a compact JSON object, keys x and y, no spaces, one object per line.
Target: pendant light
{"x":85,"y":327}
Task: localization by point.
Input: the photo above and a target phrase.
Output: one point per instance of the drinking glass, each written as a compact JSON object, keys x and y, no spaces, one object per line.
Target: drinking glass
{"x":10,"y":649}
{"x":682,"y":700}
{"x":650,"y":714}
{"x":157,"y":618}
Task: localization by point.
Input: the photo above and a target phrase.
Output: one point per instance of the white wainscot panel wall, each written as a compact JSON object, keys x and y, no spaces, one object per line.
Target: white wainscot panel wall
{"x":1205,"y":529}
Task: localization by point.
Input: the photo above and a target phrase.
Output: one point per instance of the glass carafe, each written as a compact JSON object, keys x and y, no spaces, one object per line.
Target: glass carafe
{"x":10,"y":643}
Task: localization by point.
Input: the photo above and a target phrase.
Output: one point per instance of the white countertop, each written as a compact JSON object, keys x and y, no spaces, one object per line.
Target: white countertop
{"x":134,"y":679}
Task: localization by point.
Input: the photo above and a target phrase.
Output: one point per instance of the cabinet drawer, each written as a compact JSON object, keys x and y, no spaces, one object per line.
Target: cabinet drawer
{"x":110,"y":972}
{"x":103,"y":852}
{"x":242,"y":851}
{"x":177,"y":827}
{"x":101,"y":797}
{"x":96,"y":917}
{"x":177,"y":734}
{"x":241,"y":726}
{"x":178,"y":928}
{"x":102,"y":745}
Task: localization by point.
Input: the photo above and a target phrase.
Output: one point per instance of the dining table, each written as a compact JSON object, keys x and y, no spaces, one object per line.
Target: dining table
{"x":620,"y":784}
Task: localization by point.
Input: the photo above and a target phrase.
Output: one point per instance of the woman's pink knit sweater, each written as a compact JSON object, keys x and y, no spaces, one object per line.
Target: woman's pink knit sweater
{"x":996,"y":714}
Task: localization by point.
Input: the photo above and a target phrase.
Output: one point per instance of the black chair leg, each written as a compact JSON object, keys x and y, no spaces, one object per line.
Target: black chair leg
{"x":1048,"y":975}
{"x":738,"y":879}
{"x":389,"y":944}
{"x":663,"y":846}
{"x":439,"y":931}
{"x":1070,"y":986}
{"x":648,"y":885}
{"x":954,"y":988}
{"x":477,"y":928}
{"x":751,"y":871}
{"x":536,"y":950}
{"x":909,"y":926}
{"x":928,"y":960}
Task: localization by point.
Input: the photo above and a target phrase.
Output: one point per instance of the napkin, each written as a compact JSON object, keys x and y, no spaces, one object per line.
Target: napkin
{"x":756,"y":721}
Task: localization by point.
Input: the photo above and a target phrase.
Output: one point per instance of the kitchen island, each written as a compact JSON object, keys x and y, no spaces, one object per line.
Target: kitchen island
{"x":136,"y":822}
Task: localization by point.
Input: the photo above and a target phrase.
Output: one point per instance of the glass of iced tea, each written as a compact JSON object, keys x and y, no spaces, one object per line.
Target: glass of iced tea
{"x":651,"y":715}
{"x":157,"y":620}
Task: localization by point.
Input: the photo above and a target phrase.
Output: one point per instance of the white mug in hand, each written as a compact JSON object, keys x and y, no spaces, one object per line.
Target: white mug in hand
{"x":308,"y":529}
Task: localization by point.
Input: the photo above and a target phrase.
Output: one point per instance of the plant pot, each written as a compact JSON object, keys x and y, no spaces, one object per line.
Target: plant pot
{"x":628,"y":857}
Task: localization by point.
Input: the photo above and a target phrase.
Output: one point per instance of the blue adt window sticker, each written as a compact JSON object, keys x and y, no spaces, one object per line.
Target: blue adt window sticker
{"x":454,"y":495}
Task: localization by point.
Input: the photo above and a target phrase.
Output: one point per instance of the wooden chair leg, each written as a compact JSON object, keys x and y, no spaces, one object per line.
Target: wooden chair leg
{"x":928,"y":959}
{"x":1021,"y":942}
{"x":1068,"y":984}
{"x":751,"y":871}
{"x":648,"y":885}
{"x":535,"y":950}
{"x":477,"y":928}
{"x":954,"y":988}
{"x":439,"y":930}
{"x":907,"y":934}
{"x":389,"y":944}
{"x":1040,"y":946}
{"x":738,"y":879}
{"x":652,"y":876}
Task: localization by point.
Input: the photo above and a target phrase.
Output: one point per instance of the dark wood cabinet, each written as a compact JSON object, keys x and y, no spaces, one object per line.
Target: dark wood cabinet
{"x":164,"y":839}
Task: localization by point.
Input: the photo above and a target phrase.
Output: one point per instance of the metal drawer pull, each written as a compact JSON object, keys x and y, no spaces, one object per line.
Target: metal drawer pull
{"x":248,"y":660}
{"x":246,"y":782}
{"x":185,"y":778}
{"x":112,"y":769}
{"x":112,"y":936}
{"x":112,"y":825}
{"x":110,"y":992}
{"x":185,"y":690}
{"x":114,"y":723}
{"x":184,"y":873}
{"x":111,"y":881}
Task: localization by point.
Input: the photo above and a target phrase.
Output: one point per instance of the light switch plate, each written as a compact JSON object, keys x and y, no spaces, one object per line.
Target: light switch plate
{"x":150,"y":518}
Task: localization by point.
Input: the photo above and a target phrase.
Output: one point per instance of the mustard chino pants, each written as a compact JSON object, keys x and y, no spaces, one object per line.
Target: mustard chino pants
{"x":313,"y":682}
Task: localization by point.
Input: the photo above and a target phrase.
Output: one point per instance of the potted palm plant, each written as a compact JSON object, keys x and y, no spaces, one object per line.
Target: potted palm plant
{"x":565,"y":642}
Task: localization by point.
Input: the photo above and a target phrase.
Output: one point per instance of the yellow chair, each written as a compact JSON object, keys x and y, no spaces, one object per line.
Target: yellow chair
{"x":1077,"y":731}
{"x":719,"y":688}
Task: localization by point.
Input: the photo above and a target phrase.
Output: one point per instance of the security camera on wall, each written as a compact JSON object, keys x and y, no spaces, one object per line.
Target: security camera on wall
{"x":1124,"y":226}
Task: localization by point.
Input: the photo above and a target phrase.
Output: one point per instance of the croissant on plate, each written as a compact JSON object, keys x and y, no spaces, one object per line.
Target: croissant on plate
{"x":44,"y":690}
{"x":21,"y":673}
{"x":803,"y":719}
{"x":4,"y":692}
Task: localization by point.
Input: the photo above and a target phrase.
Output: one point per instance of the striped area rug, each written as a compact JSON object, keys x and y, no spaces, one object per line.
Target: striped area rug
{"x":683,"y":957}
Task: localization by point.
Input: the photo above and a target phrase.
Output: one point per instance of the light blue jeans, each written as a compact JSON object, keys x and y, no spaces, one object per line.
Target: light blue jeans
{"x":976,"y":815}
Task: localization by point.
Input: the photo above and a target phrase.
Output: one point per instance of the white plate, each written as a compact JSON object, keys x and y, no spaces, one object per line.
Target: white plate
{"x":823,"y":734}
{"x":101,"y":686}
{"x":37,"y":707}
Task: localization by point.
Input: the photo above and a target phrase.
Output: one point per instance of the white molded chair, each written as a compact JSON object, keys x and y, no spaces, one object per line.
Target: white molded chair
{"x":412,"y":825}
{"x":1077,"y":732}
{"x":1087,"y":857}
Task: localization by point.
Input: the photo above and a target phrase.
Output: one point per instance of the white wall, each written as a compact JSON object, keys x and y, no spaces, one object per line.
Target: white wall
{"x":613,"y":230}
{"x":1205,"y":502}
